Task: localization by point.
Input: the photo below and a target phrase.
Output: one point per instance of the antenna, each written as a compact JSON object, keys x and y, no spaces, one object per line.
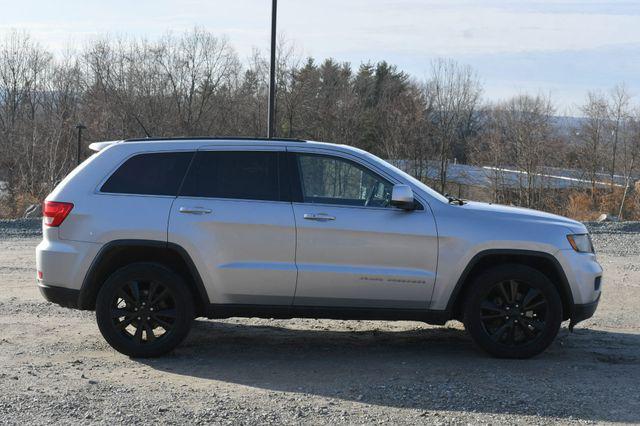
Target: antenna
{"x":142,"y":125}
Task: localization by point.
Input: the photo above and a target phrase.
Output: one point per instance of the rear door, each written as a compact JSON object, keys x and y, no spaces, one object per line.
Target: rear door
{"x":234,"y":217}
{"x":353,"y":248}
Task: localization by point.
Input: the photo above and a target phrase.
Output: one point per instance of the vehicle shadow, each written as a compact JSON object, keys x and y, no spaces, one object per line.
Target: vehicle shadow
{"x":581,"y":376}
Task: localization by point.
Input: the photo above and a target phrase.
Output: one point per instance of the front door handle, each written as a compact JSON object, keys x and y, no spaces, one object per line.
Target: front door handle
{"x":320,"y":217}
{"x":194,"y":210}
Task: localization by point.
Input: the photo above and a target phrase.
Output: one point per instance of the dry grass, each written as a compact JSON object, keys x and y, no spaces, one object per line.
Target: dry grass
{"x":11,"y":210}
{"x":582,"y":206}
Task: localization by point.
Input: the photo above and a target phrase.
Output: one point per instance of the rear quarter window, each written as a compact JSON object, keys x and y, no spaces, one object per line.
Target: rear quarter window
{"x":158,"y":173}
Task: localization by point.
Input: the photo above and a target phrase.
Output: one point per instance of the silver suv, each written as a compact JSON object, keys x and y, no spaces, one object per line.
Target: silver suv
{"x":152,"y":233}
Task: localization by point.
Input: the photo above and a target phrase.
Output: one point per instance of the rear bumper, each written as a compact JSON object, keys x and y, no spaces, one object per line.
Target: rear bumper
{"x":64,"y":263}
{"x":65,"y":297}
{"x":583,"y":312}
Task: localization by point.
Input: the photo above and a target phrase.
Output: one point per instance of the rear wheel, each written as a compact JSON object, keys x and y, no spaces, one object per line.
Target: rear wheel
{"x":513,"y":311}
{"x":144,"y":310}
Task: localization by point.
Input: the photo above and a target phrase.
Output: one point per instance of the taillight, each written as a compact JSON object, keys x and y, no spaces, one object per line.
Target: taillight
{"x":55,"y":212}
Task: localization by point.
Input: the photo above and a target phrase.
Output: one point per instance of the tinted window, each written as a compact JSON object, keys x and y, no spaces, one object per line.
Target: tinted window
{"x":150,"y":174}
{"x":227,"y":174}
{"x":332,"y":180}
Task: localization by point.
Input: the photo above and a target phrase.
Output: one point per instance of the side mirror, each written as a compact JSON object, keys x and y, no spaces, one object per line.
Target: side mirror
{"x":402,"y":197}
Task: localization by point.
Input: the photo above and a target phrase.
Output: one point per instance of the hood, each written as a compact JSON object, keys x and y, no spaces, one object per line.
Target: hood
{"x":526,"y":215}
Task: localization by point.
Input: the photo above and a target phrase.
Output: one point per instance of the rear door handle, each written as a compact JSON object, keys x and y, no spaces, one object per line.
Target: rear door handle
{"x":194,"y":210}
{"x":320,"y":217}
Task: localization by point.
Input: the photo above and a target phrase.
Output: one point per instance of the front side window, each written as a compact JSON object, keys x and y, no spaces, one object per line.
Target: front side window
{"x":333,"y":180}
{"x":244,"y":175}
{"x":157,"y":173}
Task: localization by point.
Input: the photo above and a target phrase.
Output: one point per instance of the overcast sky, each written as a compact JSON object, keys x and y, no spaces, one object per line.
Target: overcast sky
{"x":561,"y":48}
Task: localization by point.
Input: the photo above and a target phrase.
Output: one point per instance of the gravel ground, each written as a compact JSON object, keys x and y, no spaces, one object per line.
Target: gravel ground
{"x":20,"y":228}
{"x":56,"y":368}
{"x":608,"y":236}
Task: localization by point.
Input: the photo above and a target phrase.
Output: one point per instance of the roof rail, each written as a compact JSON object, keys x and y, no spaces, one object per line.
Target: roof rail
{"x":233,"y":138}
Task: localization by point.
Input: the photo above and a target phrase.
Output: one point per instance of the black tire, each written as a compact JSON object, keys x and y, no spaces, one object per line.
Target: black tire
{"x":144,"y":310}
{"x":512,"y":311}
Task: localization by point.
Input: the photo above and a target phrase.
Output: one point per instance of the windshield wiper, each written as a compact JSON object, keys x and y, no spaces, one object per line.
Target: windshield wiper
{"x":455,"y":200}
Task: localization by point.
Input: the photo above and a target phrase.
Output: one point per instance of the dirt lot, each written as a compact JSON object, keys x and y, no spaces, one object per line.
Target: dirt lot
{"x":56,"y":368}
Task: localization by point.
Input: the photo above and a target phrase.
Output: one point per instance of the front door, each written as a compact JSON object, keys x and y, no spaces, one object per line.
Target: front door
{"x":237,"y":224}
{"x":353,"y":248}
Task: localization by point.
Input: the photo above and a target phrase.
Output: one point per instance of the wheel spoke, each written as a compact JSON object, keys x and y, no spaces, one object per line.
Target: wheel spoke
{"x":149,"y":332}
{"x":125,"y":322}
{"x":513,"y":287}
{"x":492,"y":316}
{"x":535,"y":305}
{"x":166,"y":313}
{"x":152,"y":289}
{"x":126,"y":297}
{"x":134,"y":286}
{"x":525,"y":328}
{"x":138,"y":335}
{"x":162,"y":323}
{"x":511,"y":337}
{"x":489,"y":305}
{"x":503,"y":291}
{"x":496,"y":311}
{"x":119,"y":313}
{"x":497,"y":335}
{"x":532,"y":293}
{"x":164,"y":293}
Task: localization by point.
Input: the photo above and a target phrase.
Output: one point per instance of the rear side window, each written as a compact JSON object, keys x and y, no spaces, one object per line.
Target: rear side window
{"x":158,"y":173}
{"x":234,"y":174}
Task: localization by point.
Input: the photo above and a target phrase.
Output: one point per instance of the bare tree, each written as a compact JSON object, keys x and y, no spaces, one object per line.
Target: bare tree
{"x":518,"y":135}
{"x":196,"y":65}
{"x":491,"y":150}
{"x":455,"y":94}
{"x":619,"y":116}
{"x":528,"y":128}
{"x":594,"y":133}
{"x":24,"y":67}
{"x":631,"y":153}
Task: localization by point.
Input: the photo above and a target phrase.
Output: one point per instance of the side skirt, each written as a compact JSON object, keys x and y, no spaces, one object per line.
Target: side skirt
{"x":286,"y":312}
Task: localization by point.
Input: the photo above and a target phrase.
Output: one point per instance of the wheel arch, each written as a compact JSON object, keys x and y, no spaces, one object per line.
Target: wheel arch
{"x":541,"y":261}
{"x":119,"y":253}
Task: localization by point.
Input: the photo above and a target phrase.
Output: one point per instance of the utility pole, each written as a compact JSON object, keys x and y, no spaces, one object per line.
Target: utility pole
{"x":272,"y":73}
{"x":80,"y":128}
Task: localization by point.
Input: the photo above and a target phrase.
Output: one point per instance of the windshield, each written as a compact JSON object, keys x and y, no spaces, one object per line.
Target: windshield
{"x":435,"y":194}
{"x":414,"y":181}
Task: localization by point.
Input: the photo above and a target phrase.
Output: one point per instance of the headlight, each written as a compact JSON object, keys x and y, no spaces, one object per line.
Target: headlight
{"x":581,"y":243}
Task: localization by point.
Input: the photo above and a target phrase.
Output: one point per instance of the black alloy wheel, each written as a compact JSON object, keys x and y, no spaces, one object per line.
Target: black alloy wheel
{"x":144,"y":310}
{"x":512,"y":311}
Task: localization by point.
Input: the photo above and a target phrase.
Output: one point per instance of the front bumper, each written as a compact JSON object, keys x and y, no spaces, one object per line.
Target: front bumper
{"x":583,"y":312}
{"x":584,"y":276}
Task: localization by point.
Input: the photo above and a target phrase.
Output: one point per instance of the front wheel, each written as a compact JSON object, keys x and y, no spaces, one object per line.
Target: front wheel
{"x":513,"y":311}
{"x":144,"y":310}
